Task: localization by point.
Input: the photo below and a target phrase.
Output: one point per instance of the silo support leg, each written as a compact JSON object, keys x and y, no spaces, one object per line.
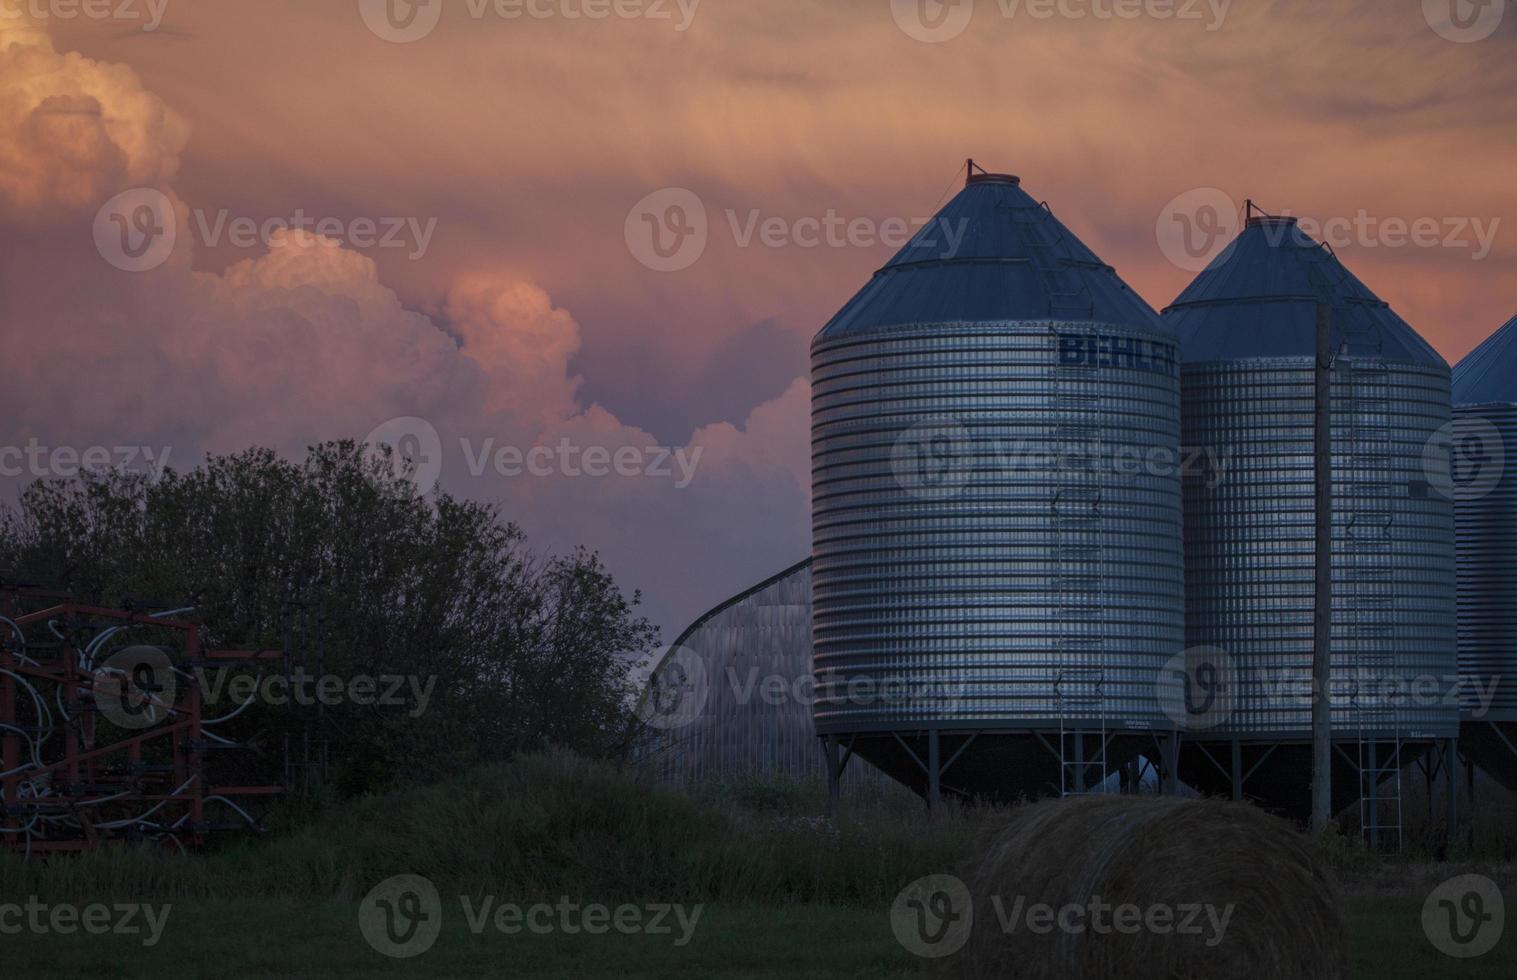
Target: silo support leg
{"x":934,"y":770}
{"x":1429,"y":773}
{"x":1451,"y":780}
{"x":1170,"y":750}
{"x":1131,"y":778}
{"x":1469,"y":778}
{"x":1237,"y":779}
{"x":834,"y":773}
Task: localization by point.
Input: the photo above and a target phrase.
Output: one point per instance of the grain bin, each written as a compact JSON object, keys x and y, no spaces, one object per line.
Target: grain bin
{"x":1485,"y":493}
{"x":1247,"y":328}
{"x":997,"y":575}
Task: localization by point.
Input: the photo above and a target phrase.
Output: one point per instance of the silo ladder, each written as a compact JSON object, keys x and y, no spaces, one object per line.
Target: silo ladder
{"x":1369,"y":576}
{"x":1068,"y":296}
{"x":1081,"y":697}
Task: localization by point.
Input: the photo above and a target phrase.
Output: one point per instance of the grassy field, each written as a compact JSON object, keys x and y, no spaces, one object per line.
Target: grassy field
{"x":269,"y":938}
{"x":782,"y":892}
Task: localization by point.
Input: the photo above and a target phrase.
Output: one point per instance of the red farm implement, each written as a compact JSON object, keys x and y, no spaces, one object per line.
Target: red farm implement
{"x":101,"y":742}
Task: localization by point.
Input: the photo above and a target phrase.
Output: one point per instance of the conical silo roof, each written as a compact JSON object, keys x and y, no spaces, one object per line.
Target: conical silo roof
{"x":1259,"y":299}
{"x":994,"y":253}
{"x":1488,"y":375}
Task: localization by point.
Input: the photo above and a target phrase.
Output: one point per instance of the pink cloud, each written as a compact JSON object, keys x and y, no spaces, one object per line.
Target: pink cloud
{"x":303,"y":341}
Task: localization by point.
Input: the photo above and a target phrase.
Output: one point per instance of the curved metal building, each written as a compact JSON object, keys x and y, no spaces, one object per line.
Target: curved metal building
{"x":1485,"y":491}
{"x":731,"y":698}
{"x":1247,"y":328}
{"x":997,"y":576}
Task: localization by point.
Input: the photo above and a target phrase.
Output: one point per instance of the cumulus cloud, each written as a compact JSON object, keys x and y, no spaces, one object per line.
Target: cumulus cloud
{"x":303,"y":341}
{"x":775,"y":437}
{"x":72,"y":129}
{"x":792,"y":108}
{"x":513,"y":332}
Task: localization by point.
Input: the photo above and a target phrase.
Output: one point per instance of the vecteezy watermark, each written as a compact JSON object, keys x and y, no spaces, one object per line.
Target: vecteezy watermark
{"x":148,"y":13}
{"x":825,"y":686}
{"x":1211,"y":13}
{"x":681,"y":685}
{"x":409,"y":449}
{"x":677,"y":689}
{"x":937,"y":21}
{"x":1197,"y":228}
{"x":1100,"y":918}
{"x":568,"y":459}
{"x":669,"y":231}
{"x":41,"y":462}
{"x":1362,"y":687}
{"x":1201,"y":689}
{"x":409,"y":233}
{"x":409,"y":692}
{"x":1194,"y":227}
{"x":939,"y":237}
{"x":589,"y":918}
{"x":136,"y":688}
{"x":402,"y":917}
{"x":936,"y":459}
{"x":99,"y":919}
{"x":1465,"y":459}
{"x":1364,"y":230}
{"x":933,"y":916}
{"x":1464,"y":21}
{"x":1465,"y":917}
{"x":1198,"y":689}
{"x":138,"y":230}
{"x":405,"y":21}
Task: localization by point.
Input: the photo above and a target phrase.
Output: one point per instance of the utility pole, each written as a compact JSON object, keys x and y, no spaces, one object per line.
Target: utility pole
{"x":1322,"y":640}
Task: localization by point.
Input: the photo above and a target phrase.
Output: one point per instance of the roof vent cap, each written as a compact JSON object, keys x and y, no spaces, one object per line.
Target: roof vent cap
{"x":993,"y":179}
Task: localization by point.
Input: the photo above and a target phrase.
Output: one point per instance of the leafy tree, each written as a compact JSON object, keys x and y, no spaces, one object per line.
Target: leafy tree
{"x":505,"y":650}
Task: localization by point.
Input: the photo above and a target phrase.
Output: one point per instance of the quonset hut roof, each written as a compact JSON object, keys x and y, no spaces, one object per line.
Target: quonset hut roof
{"x":1488,"y":376}
{"x":1259,"y":299}
{"x":992,"y":254}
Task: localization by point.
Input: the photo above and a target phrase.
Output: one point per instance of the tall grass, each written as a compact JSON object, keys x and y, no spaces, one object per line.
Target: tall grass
{"x":553,"y":824}
{"x":549,"y":825}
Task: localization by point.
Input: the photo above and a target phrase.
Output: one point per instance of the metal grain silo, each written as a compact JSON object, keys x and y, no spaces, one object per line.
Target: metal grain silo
{"x":997,"y":576}
{"x":1485,"y":495}
{"x":1247,"y":329}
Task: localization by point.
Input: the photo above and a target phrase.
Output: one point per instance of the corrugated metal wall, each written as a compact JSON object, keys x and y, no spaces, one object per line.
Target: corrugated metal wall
{"x":977,"y":533}
{"x":751,"y":710}
{"x":1487,"y":523}
{"x":1483,"y":452}
{"x":1250,"y":550}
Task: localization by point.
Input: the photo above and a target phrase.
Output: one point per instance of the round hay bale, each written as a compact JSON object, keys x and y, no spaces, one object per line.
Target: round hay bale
{"x":1163,"y":888}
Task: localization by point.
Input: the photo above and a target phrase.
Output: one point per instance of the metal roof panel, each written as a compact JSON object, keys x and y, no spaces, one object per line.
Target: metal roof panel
{"x":1259,"y":298}
{"x":992,"y":254}
{"x":1488,"y":375}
